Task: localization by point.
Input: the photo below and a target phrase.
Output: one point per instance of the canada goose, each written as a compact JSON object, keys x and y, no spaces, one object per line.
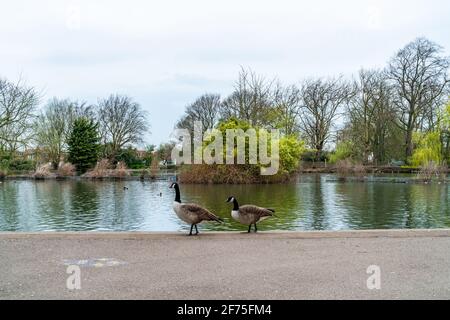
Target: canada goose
{"x":190,"y":212}
{"x":249,"y":214}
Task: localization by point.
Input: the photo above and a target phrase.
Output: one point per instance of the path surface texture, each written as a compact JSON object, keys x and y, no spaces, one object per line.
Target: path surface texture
{"x":390,"y":264}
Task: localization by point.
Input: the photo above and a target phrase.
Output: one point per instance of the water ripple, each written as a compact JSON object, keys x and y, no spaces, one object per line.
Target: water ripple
{"x":312,"y":203}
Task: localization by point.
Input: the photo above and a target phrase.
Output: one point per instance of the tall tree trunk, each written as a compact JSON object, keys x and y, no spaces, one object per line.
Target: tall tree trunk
{"x":409,"y":132}
{"x":319,"y":148}
{"x":409,"y":143}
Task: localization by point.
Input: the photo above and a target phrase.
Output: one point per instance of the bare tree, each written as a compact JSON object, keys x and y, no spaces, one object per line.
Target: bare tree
{"x":164,"y":151}
{"x":17,"y":104}
{"x":419,"y":76}
{"x":371,"y":114}
{"x":321,"y":101}
{"x":251,"y":99}
{"x":122,"y":122}
{"x":287,"y":104}
{"x":54,"y":124}
{"x":204,"y":109}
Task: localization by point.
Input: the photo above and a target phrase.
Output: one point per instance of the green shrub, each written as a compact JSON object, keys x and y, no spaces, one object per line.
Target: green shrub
{"x":344,"y":150}
{"x":310,"y":155}
{"x":428,"y":149}
{"x":290,"y":150}
{"x":129,"y":156}
{"x":11,"y":162}
{"x":22,"y":165}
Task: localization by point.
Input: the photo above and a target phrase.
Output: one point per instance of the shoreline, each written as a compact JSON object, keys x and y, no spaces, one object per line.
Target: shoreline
{"x":274,"y":234}
{"x":405,"y":178}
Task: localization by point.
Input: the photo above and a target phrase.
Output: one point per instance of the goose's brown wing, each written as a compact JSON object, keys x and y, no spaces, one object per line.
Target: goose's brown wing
{"x":255,"y":212}
{"x":199,"y":212}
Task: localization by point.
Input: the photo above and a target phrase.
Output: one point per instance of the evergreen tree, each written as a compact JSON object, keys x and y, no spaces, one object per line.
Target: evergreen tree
{"x":83,"y":144}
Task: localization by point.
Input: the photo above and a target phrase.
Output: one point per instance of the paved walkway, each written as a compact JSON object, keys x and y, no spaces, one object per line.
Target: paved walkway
{"x":279,"y":265}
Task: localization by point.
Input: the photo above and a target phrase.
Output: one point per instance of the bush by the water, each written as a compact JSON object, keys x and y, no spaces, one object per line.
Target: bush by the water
{"x":290,"y":150}
{"x":312,"y":155}
{"x":431,"y":170}
{"x":227,"y":174}
{"x":130,"y":157}
{"x":121,"y":170}
{"x":66,"y":169}
{"x":343,"y":152}
{"x":43,"y":171}
{"x":348,"y":167}
{"x":428,"y":150}
{"x":21,"y":165}
{"x":10,"y":162}
{"x":103,"y":169}
{"x":100,"y":170}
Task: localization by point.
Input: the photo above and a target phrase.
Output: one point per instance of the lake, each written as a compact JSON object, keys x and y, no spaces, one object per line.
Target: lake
{"x":312,"y":203}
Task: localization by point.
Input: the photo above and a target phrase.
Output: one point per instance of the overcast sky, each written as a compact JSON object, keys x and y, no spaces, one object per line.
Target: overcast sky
{"x":166,"y":53}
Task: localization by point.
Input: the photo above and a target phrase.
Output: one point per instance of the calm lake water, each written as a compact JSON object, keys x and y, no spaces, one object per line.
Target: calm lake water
{"x":313,"y":203}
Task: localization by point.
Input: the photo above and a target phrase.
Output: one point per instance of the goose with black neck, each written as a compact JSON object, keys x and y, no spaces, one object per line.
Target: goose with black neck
{"x":249,"y":214}
{"x":191,"y":213}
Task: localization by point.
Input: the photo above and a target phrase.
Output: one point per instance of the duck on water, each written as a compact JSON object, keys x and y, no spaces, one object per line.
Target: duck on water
{"x":191,"y":213}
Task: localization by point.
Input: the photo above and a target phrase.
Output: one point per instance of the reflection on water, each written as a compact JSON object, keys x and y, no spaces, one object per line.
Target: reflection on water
{"x":313,"y":203}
